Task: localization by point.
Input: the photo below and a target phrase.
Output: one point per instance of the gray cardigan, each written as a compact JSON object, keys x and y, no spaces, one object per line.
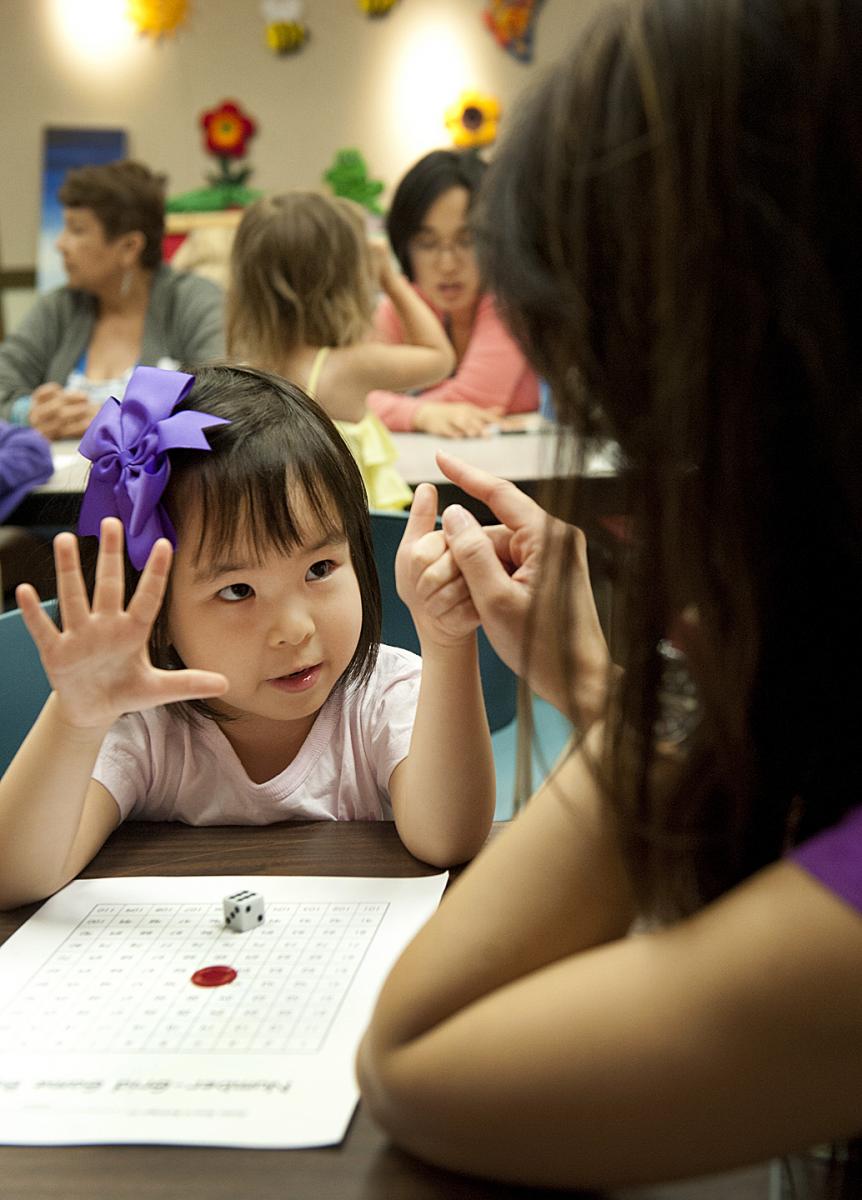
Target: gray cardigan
{"x":185,"y":322}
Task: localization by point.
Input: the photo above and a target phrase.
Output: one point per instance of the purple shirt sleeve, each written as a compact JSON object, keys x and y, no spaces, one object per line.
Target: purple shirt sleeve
{"x":25,"y":462}
{"x":834,"y":857}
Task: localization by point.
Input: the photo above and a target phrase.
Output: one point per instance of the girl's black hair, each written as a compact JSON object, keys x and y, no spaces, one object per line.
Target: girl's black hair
{"x":427,"y":180}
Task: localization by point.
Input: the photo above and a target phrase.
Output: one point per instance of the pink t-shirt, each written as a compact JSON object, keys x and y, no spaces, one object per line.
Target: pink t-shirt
{"x":159,"y":768}
{"x":493,"y":371}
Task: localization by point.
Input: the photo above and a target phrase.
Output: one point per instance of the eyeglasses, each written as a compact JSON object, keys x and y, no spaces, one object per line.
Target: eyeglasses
{"x":432,"y":249}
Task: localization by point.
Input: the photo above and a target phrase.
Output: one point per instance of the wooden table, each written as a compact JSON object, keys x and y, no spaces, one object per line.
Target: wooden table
{"x":364,"y":1167}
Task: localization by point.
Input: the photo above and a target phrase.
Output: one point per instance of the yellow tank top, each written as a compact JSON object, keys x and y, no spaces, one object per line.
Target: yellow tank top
{"x":372,"y":446}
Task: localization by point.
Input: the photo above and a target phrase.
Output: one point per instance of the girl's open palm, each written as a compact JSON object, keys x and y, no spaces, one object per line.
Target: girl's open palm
{"x":99,"y":664}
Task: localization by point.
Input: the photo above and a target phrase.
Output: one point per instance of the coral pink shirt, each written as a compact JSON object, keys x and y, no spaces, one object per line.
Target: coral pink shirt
{"x":493,"y":372}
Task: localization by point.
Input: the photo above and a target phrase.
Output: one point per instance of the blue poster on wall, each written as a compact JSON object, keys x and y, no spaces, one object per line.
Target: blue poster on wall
{"x":63,"y":149}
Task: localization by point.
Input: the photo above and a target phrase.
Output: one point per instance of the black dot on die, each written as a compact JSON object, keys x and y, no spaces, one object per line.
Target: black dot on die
{"x":248,"y":908}
{"x":260,"y":916}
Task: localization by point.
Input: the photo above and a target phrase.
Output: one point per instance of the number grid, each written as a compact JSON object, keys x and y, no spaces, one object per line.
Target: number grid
{"x":121,"y":981}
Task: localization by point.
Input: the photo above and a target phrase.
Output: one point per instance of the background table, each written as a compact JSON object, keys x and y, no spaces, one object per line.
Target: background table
{"x":528,"y":458}
{"x":364,"y":1167}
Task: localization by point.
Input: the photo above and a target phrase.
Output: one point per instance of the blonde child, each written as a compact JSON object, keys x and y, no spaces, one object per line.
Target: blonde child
{"x":301,"y":299}
{"x":251,"y":687}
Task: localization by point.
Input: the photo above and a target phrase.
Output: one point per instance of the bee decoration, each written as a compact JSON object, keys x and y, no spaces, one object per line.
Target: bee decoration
{"x":376,"y":8}
{"x":286,"y":31}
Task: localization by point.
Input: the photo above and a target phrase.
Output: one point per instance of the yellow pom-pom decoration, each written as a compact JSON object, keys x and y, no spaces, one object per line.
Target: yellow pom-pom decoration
{"x":157,"y":17}
{"x":375,"y":8}
{"x":285,"y":37}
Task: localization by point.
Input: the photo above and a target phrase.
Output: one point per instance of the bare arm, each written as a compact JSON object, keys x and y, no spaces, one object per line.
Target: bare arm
{"x":53,"y":816}
{"x":422,"y":358}
{"x":443,"y":792}
{"x":522,"y":1037}
{"x":482,"y":389}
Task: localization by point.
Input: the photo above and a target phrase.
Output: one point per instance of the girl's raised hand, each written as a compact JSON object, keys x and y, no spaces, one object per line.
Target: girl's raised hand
{"x":99,"y":663}
{"x":428,"y":578}
{"x":512,"y":572}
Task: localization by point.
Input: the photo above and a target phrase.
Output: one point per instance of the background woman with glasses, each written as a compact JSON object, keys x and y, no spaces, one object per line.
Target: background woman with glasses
{"x":429,"y":228}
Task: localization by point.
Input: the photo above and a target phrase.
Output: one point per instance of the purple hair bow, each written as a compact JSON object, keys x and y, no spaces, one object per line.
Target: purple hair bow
{"x":128,"y":445}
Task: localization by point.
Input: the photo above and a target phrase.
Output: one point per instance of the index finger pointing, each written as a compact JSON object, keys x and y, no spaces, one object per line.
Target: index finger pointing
{"x":423,"y":513}
{"x":506,"y":501}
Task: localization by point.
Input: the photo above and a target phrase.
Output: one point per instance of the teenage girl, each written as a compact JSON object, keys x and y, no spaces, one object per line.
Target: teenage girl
{"x":301,"y":302}
{"x":690,"y":267}
{"x":251,"y":688}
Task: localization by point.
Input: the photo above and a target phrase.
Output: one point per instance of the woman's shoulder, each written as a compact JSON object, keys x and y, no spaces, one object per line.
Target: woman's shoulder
{"x":488,"y":315}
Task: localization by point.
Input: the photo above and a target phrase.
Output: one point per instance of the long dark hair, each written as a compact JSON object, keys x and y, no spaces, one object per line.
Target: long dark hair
{"x":681,"y":205}
{"x":672,"y":230}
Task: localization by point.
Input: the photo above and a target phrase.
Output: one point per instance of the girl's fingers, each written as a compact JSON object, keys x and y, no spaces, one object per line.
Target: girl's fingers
{"x":190,"y":685}
{"x":108,"y":593}
{"x":148,"y":596}
{"x":39,"y":625}
{"x":445,"y":598}
{"x":74,"y":605}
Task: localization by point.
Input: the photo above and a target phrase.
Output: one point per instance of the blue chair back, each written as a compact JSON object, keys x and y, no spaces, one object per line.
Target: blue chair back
{"x":499,"y":684}
{"x":23,"y":685}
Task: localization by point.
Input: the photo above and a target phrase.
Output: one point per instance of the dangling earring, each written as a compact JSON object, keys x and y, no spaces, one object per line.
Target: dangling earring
{"x":126,"y":283}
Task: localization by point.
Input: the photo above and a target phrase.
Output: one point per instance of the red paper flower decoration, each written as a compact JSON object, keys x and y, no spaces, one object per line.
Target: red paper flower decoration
{"x":227,"y":130}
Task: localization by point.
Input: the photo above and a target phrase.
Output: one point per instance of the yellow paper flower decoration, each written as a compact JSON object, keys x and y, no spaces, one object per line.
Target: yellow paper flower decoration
{"x":473,"y":120}
{"x":157,"y":17}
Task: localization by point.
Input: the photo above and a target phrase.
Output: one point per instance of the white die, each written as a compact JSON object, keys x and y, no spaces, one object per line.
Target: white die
{"x":243,"y":911}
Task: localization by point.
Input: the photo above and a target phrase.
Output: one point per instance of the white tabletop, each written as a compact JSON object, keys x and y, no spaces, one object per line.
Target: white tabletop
{"x":516,"y":456}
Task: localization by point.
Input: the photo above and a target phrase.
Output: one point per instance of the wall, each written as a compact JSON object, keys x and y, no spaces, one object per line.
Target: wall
{"x":380,"y":85}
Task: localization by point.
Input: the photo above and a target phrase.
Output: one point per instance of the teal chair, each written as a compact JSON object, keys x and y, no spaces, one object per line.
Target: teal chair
{"x":499,"y":684}
{"x":23,"y":685}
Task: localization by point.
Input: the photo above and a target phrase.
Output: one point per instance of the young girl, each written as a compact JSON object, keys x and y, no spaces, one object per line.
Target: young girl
{"x":303,"y":284}
{"x":256,"y":692}
{"x":692,"y":265}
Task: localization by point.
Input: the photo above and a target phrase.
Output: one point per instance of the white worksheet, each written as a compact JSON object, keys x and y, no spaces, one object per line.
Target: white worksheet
{"x":105,"y":1037}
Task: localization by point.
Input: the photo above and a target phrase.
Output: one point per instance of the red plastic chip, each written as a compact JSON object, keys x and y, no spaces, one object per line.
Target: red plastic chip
{"x":213,"y":976}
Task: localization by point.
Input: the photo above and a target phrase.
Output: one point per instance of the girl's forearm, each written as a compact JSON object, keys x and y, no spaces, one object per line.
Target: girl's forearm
{"x":420,"y":324}
{"x":42,"y":798}
{"x":448,"y":781}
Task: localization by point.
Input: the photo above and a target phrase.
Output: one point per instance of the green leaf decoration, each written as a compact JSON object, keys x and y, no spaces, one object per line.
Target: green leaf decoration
{"x":348,"y":177}
{"x":213,"y":199}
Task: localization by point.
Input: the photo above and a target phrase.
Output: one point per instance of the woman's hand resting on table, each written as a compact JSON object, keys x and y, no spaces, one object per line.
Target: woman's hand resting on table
{"x":454,"y":420}
{"x":57,"y":412}
{"x":510,"y":566}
